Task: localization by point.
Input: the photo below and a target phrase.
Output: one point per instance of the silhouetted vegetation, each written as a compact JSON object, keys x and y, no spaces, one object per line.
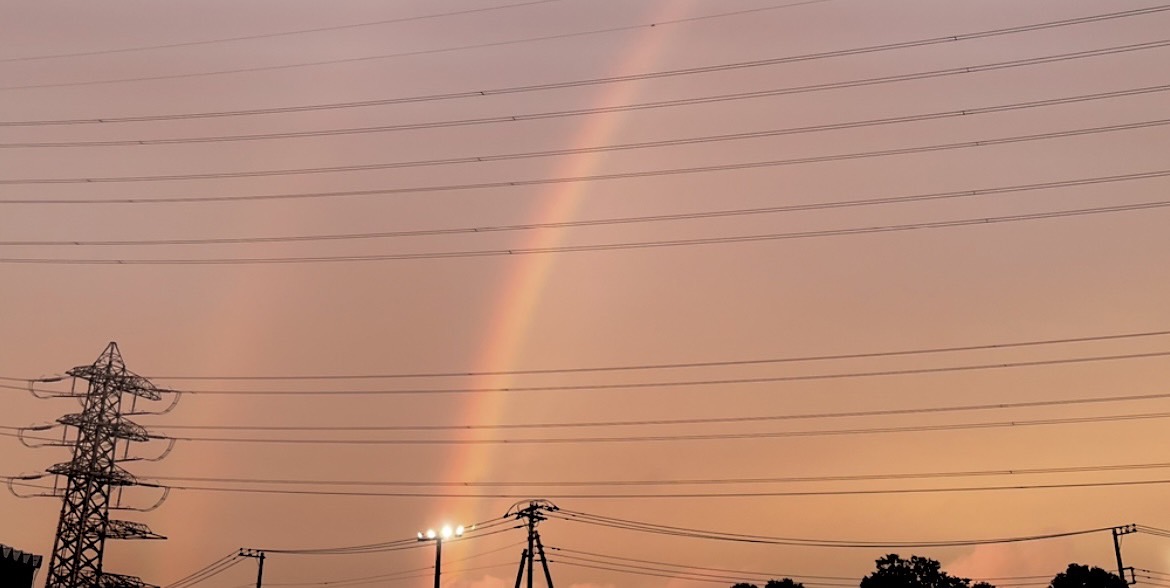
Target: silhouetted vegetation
{"x":785,"y":583}
{"x":916,"y":572}
{"x":1079,"y":576}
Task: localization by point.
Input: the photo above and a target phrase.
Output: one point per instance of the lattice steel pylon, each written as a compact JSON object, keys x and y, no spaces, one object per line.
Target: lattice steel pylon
{"x":93,"y":476}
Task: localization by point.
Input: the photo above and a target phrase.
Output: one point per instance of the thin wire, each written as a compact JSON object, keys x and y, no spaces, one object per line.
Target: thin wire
{"x":636,"y":572}
{"x":955,"y":194}
{"x":273,"y":35}
{"x":1153,"y":530}
{"x":949,"y":427}
{"x":675,"y":365}
{"x":674,"y":482}
{"x":442,"y":50}
{"x":202,"y":570}
{"x":691,"y":575}
{"x":558,"y":180}
{"x":476,"y":531}
{"x":589,"y":178}
{"x":590,"y":81}
{"x":632,"y":525}
{"x":392,"y":575}
{"x":777,"y":132}
{"x":674,"y":574}
{"x":688,"y":383}
{"x":657,"y":496}
{"x":701,"y":382}
{"x":400,"y":575}
{"x":392,"y":578}
{"x":208,"y":572}
{"x":588,"y":248}
{"x":667,"y":422}
{"x":692,"y":566}
{"x":686,"y":437}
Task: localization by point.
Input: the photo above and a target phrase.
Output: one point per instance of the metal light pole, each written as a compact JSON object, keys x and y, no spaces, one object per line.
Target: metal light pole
{"x":438,"y":536}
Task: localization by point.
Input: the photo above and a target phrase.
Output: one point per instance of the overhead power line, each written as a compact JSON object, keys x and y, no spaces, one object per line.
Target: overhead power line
{"x":919,"y":117}
{"x":629,"y":245}
{"x":672,"y":574}
{"x":683,"y":574}
{"x":666,"y":384}
{"x":430,"y":494}
{"x":598,"y":80}
{"x":693,"y":382}
{"x":436,"y":51}
{"x":344,"y":27}
{"x":685,"y":437}
{"x":950,"y":195}
{"x":664,"y":366}
{"x":723,"y":436}
{"x":206,"y":572}
{"x":662,"y":172}
{"x":666,"y":572}
{"x":625,"y":175}
{"x":1013,"y":472}
{"x":477,"y":531}
{"x":740,"y":574}
{"x":403,"y":574}
{"x":694,"y":567}
{"x":390,"y":577}
{"x":672,"y":422}
{"x":659,"y":529}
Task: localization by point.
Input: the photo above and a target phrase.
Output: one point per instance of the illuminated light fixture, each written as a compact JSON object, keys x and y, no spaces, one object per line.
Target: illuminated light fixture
{"x":446,"y":532}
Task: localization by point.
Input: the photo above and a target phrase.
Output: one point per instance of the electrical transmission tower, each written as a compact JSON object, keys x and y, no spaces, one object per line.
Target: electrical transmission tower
{"x":532,"y":514}
{"x":93,"y":479}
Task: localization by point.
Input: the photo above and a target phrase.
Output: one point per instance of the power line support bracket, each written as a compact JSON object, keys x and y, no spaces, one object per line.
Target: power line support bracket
{"x":1123,"y":572}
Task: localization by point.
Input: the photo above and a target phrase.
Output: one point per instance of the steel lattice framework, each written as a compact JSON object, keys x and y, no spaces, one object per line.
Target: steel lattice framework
{"x":93,"y":476}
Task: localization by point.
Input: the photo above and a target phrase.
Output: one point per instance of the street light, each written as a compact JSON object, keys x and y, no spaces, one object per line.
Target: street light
{"x":438,"y":537}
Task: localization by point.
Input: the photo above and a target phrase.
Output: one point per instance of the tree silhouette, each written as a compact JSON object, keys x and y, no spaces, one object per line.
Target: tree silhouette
{"x":916,"y":572}
{"x":785,"y":583}
{"x":1079,"y":576}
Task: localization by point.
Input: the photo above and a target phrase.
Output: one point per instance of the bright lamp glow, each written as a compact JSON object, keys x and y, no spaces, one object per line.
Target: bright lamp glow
{"x":459,"y":531}
{"x":447,"y":531}
{"x":431,"y":534}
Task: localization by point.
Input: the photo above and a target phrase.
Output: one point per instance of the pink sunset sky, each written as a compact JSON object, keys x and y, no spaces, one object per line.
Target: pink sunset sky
{"x":745,"y":208}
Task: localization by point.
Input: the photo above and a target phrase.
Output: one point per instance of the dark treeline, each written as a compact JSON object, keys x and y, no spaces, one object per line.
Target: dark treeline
{"x":922,"y":572}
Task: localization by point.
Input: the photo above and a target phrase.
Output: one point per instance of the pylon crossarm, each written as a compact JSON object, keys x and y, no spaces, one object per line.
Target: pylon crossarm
{"x":121,"y":581}
{"x":120,"y":427}
{"x":113,"y":475}
{"x":130,"y":530}
{"x":127,"y":382}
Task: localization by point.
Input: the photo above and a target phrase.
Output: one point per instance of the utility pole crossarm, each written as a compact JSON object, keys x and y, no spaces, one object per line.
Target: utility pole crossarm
{"x":259,"y":556}
{"x":1118,"y":532}
{"x":532,"y":513}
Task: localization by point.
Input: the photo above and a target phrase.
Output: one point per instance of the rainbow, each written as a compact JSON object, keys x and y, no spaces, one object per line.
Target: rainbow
{"x":514,"y":305}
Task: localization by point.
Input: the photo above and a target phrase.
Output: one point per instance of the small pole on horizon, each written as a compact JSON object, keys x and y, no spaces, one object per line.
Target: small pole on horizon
{"x":1117,"y":533}
{"x":259,"y":557}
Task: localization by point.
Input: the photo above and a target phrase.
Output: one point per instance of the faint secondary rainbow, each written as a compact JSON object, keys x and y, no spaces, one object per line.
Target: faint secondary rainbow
{"x":513,"y":306}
